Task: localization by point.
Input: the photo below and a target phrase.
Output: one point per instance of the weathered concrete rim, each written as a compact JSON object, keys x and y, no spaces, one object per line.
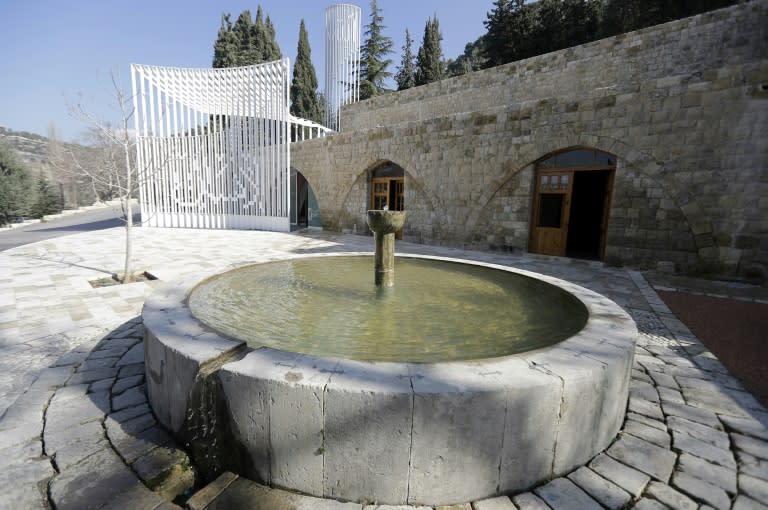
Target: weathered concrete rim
{"x":556,"y":407}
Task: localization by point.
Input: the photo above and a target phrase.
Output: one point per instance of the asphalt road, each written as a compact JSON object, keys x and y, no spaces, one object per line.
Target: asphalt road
{"x":97,"y":219}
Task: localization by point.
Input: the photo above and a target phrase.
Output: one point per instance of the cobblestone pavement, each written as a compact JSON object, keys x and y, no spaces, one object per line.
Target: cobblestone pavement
{"x":76,"y":431}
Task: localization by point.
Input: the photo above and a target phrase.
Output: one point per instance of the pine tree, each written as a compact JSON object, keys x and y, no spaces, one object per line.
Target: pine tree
{"x":405,"y":76}
{"x":304,"y":101}
{"x":373,"y":65}
{"x":430,"y":66}
{"x":48,"y":199}
{"x":16,"y":186}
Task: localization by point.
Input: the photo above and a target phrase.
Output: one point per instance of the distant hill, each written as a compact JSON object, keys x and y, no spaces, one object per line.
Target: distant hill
{"x":33,"y":151}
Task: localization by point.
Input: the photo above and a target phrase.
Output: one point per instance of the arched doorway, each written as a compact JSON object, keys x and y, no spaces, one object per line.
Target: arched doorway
{"x":304,"y":209}
{"x":571,"y":203}
{"x":388,"y":188}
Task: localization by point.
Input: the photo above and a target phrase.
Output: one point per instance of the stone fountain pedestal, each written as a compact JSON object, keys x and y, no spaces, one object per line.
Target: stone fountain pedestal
{"x":384,"y":225}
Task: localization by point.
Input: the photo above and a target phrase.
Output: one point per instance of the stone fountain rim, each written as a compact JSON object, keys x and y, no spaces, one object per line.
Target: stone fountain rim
{"x":607,"y":329}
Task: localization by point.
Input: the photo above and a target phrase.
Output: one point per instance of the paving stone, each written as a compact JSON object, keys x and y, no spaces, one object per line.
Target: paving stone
{"x":664,"y":380}
{"x":129,"y":412}
{"x":464,"y":506}
{"x":670,"y":497}
{"x":73,"y":358}
{"x":742,"y":502}
{"x":24,"y":485}
{"x":136,"y":497}
{"x":644,"y":456}
{"x":134,"y":369}
{"x":645,"y":407}
{"x":746,"y":426}
{"x":118,"y":430}
{"x":696,"y":414}
{"x":699,"y":431}
{"x":20,"y":453}
{"x":605,"y":492}
{"x":101,"y":385}
{"x":639,"y":375}
{"x":687,"y":443}
{"x":649,"y":504}
{"x":659,"y":424}
{"x":20,"y":435}
{"x":701,"y":490}
{"x":27,"y":409}
{"x":52,"y":378}
{"x":500,"y":503}
{"x":629,"y":479}
{"x":716,"y":475}
{"x":650,"y":434}
{"x":130,"y":398}
{"x":73,"y":453}
{"x":723,"y":401}
{"x":562,"y":494}
{"x":134,"y":355}
{"x":78,"y":489}
{"x":108,"y":353}
{"x":57,"y":438}
{"x":755,"y":488}
{"x":92,"y":375}
{"x":752,"y":466}
{"x":133,"y":447}
{"x":753,"y":446}
{"x":67,"y":413}
{"x":125,"y":383}
{"x":670,"y":395}
{"x":201,"y":499}
{"x":643,"y":390}
{"x":158,"y":463}
{"x":529,"y":501}
{"x":94,"y":364}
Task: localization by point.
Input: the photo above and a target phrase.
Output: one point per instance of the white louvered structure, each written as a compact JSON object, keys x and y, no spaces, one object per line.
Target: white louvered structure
{"x":213,"y":145}
{"x":342,"y":59}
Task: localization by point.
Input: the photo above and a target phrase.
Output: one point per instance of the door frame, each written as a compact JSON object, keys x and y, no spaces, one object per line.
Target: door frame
{"x":540,"y":189}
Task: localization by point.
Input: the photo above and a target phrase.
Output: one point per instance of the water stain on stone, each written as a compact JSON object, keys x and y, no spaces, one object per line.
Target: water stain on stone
{"x":294,"y":376}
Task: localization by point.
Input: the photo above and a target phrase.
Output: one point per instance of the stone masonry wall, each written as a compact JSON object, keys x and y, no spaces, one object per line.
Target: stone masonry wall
{"x":683,"y":106}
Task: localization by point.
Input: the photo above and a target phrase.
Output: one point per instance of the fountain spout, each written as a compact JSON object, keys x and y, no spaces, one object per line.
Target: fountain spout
{"x":384,"y":224}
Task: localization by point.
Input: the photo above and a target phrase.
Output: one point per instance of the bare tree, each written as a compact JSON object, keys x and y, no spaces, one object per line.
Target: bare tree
{"x":115,"y":170}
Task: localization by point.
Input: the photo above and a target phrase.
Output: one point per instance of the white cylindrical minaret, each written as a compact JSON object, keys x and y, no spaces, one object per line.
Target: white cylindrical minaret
{"x":342,"y":60}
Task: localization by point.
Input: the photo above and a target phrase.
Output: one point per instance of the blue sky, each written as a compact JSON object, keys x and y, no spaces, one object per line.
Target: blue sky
{"x":55,"y":51}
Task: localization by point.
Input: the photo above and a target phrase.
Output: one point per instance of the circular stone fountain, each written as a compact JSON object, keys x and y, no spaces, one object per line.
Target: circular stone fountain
{"x":478,"y":416}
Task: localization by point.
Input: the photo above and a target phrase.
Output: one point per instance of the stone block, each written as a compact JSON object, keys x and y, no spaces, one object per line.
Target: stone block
{"x":24,"y":485}
{"x":701,"y":490}
{"x":529,"y":501}
{"x":498,"y":503}
{"x":368,"y":419}
{"x":605,"y":492}
{"x":704,"y":433}
{"x":686,"y":443}
{"x":753,"y":487}
{"x":650,"y":434}
{"x":753,"y":446}
{"x":130,"y":398}
{"x":563,"y":494}
{"x":629,"y":479}
{"x":709,"y":472}
{"x":670,"y":497}
{"x":644,"y":456}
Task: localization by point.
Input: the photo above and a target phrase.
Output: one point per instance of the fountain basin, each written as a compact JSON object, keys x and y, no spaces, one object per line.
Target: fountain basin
{"x":388,"y":432}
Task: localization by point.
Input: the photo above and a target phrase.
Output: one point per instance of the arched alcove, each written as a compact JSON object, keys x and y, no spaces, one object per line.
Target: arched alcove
{"x":304,"y":209}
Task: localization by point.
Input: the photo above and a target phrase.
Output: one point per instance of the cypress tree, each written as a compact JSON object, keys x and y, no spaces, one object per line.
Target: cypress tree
{"x":304,"y":101}
{"x":405,"y":76}
{"x":373,"y":65}
{"x":245,"y":42}
{"x":226,"y":45}
{"x":429,"y":63}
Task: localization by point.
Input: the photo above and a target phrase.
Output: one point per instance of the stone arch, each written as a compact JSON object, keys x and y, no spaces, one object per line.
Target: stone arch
{"x":426,"y":200}
{"x":641,"y":162}
{"x":303,"y":195}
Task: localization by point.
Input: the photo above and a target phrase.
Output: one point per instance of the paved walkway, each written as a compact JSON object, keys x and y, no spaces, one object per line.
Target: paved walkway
{"x":76,"y":431}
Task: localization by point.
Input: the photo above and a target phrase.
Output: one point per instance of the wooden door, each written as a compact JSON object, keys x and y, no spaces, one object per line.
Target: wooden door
{"x":552,"y":203}
{"x":389,"y":191}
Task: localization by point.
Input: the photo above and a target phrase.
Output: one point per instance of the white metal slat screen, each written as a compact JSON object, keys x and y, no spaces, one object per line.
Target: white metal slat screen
{"x":213,"y":146}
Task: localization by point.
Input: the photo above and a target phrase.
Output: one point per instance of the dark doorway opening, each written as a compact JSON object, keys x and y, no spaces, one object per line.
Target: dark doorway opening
{"x":587,"y":216}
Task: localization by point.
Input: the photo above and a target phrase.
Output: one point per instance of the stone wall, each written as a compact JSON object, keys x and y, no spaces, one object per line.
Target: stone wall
{"x":683,"y":106}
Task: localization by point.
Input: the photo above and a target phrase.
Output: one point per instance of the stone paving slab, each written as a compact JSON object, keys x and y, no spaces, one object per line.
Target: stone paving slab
{"x":76,"y":431}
